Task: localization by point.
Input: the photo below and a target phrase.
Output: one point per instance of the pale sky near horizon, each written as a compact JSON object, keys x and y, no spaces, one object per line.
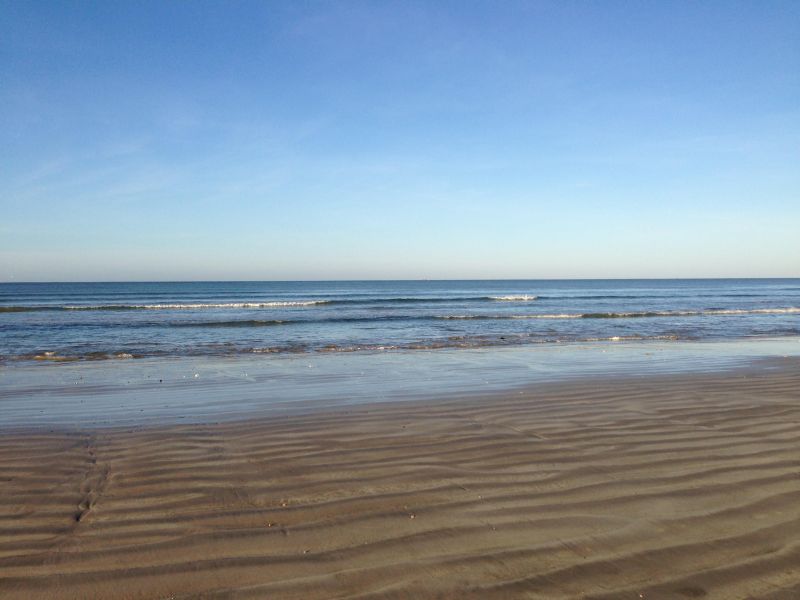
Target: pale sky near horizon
{"x":363,"y":140}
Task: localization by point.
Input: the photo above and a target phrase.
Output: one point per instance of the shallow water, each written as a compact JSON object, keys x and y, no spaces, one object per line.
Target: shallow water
{"x":203,"y":389}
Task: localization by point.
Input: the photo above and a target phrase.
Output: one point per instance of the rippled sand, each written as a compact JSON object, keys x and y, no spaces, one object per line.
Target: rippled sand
{"x":668,"y":487}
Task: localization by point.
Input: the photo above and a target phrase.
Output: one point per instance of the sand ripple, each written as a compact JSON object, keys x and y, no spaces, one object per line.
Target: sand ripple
{"x":668,"y":487}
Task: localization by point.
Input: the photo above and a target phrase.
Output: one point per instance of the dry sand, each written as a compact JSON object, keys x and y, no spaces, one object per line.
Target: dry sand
{"x":667,"y":487}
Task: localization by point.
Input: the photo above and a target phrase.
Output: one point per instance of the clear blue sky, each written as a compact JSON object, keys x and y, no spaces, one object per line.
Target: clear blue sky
{"x":305,"y":140}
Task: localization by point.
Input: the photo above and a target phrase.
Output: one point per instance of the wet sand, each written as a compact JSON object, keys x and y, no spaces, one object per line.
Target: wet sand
{"x":671,"y":486}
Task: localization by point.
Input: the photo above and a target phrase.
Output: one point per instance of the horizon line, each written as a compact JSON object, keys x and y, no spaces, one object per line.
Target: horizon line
{"x":394,"y":280}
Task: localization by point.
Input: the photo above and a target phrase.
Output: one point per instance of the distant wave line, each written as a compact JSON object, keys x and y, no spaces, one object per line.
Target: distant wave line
{"x":557,"y":316}
{"x":635,"y":314}
{"x":172,"y":306}
{"x":454,"y":317}
{"x":264,"y":304}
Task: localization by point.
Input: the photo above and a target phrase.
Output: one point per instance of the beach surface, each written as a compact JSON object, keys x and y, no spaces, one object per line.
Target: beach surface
{"x":666,"y":486}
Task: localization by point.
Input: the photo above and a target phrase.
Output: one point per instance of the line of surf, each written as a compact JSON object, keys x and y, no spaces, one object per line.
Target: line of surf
{"x":263,"y":304}
{"x":482,"y":317}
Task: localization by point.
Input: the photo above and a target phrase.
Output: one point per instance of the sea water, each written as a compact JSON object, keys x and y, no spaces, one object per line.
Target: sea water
{"x":51,"y":322}
{"x":108,"y":354}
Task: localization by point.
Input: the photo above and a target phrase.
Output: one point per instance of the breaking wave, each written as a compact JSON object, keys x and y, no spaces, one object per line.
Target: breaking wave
{"x":165,"y":306}
{"x":466,"y":317}
{"x":520,"y":298}
{"x":266,"y":304}
{"x":635,"y":314}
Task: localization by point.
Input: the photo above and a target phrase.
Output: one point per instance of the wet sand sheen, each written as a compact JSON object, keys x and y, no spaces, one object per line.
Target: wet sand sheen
{"x":676,"y":486}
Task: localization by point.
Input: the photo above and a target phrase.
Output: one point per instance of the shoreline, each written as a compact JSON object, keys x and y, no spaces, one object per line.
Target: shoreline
{"x":663,"y":486}
{"x":144,"y":392}
{"x":288,"y":411}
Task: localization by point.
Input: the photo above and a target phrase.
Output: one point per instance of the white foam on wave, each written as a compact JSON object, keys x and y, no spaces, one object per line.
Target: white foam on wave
{"x":518,"y":298}
{"x":195,"y":306}
{"x":506,"y":317}
{"x":237,"y":304}
{"x":617,"y":315}
{"x":754,"y":311}
{"x":558,"y":316}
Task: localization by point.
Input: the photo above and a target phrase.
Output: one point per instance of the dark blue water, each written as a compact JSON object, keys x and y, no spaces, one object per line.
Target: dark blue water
{"x":79,"y":321}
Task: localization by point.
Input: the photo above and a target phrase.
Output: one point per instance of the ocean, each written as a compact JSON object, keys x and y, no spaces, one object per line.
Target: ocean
{"x":57,"y":322}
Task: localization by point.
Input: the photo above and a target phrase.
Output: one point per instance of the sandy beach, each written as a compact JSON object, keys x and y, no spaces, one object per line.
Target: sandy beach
{"x":399,"y":300}
{"x":671,"y":486}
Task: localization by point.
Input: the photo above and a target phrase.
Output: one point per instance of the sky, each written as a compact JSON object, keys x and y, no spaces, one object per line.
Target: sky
{"x":388,"y":140}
